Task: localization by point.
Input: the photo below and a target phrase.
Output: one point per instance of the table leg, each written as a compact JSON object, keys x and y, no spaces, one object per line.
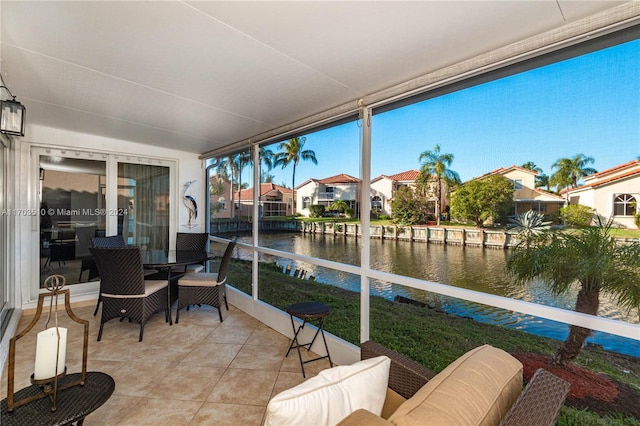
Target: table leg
{"x":169,"y":295}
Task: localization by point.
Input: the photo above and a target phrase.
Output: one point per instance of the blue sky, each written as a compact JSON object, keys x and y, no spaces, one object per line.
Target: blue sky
{"x":588,"y":105}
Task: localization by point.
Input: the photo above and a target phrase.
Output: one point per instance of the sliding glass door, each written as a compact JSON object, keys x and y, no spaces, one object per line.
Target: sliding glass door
{"x":81,"y":195}
{"x":143,"y":205}
{"x":72,"y":211}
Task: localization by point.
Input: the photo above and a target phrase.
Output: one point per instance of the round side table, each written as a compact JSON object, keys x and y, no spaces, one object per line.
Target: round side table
{"x":73,"y":404}
{"x":308,"y":311}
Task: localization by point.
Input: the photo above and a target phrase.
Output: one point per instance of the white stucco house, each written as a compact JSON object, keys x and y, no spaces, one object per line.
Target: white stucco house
{"x":326,"y":191}
{"x":384,"y":187}
{"x":613,"y":193}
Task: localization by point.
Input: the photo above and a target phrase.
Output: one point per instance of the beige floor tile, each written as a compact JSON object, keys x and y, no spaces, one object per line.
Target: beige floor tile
{"x":212,"y":354}
{"x":259,"y":358}
{"x":203,"y":315}
{"x":226,"y":333}
{"x":187,"y":383}
{"x":138,"y":378}
{"x":237,"y":317}
{"x":266,"y":336}
{"x":212,"y":413}
{"x":112,"y":411}
{"x":161,"y":412}
{"x":239,"y":386}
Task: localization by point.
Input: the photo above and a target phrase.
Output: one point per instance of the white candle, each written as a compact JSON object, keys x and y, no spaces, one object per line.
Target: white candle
{"x":46,"y":345}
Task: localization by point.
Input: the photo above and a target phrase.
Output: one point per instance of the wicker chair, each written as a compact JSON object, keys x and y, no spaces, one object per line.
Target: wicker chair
{"x":205,"y":288}
{"x":191,"y":242}
{"x":538,"y":404}
{"x":115,"y":241}
{"x":125,"y":292}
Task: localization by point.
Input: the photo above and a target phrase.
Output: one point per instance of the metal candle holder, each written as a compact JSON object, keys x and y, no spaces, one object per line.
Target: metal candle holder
{"x":50,"y":388}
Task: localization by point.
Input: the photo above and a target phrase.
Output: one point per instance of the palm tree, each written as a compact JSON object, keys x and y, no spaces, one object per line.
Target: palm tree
{"x":240,"y":160}
{"x":293,"y":151}
{"x":267,"y":157}
{"x":227,"y":170}
{"x":591,"y":258}
{"x":570,"y":170}
{"x":530,"y":165}
{"x":339,"y":206}
{"x":541,"y":178}
{"x":436,"y":164}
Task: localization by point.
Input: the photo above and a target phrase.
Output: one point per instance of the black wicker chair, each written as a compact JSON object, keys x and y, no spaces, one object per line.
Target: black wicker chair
{"x":125,"y":292}
{"x":205,"y":288}
{"x":115,"y":241}
{"x":191,"y":242}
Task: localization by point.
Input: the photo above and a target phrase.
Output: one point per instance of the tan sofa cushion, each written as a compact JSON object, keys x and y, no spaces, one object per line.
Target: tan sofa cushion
{"x":477,"y":389}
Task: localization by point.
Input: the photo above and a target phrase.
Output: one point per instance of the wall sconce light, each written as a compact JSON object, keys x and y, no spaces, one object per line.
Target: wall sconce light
{"x":12,"y":114}
{"x":50,"y":349}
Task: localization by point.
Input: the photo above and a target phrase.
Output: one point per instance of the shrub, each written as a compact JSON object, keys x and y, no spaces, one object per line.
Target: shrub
{"x":577,"y":215}
{"x":383,"y":217}
{"x":350,"y":212}
{"x":316,"y":210}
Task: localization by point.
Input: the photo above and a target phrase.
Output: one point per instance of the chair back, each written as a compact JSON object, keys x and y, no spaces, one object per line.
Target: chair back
{"x":121,"y":270}
{"x":83,"y":242}
{"x":226,"y":258}
{"x":190,"y":241}
{"x":114,"y":241}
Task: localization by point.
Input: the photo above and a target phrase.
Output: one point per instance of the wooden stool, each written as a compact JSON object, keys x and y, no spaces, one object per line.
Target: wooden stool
{"x":308,"y":311}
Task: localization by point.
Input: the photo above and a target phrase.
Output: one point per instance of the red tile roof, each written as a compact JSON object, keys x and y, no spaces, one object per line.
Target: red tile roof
{"x":502,"y":171}
{"x":409,"y":175}
{"x":606,"y":181}
{"x":341,"y":178}
{"x":265,"y":188}
{"x":612,"y":170}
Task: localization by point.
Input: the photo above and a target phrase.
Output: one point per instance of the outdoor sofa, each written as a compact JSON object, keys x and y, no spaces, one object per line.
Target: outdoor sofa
{"x":482,"y":387}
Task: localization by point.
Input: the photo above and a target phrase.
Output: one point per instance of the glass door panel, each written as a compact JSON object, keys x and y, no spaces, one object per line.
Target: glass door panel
{"x":143,"y":205}
{"x":72,"y":212}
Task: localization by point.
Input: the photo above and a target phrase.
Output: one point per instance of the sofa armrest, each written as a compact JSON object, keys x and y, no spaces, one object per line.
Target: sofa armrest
{"x":540,"y":401}
{"x":406,"y":376}
{"x":363,"y":417}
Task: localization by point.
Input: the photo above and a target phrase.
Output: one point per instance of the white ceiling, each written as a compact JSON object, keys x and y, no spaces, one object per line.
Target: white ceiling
{"x":200,"y":75}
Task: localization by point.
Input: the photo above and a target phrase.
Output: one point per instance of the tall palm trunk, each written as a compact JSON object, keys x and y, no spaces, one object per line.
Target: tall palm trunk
{"x":587,"y":302}
{"x":438,"y":198}
{"x":293,"y":193}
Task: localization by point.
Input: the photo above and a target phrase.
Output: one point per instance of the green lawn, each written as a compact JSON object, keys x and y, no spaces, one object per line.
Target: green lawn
{"x":432,"y":338}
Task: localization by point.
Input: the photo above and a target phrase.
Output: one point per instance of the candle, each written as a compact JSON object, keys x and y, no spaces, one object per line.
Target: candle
{"x":46,"y":345}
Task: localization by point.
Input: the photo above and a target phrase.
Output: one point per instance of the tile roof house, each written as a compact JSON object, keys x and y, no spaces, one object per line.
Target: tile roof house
{"x":384,"y":187}
{"x":275,"y":200}
{"x":525,"y":194}
{"x":326,"y":191}
{"x":614,"y":193}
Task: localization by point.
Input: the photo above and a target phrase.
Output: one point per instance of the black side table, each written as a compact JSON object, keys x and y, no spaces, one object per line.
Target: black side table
{"x":308,"y":311}
{"x":72,"y":404}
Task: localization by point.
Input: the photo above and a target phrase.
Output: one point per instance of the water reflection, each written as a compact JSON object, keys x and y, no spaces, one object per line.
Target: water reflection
{"x":472,"y":268}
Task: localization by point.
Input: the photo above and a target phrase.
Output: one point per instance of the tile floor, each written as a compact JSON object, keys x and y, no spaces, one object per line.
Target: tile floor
{"x":197,"y":372}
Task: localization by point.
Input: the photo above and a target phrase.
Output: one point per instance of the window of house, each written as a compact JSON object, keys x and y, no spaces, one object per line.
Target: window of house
{"x":517,"y":184}
{"x":306,"y":201}
{"x":376,"y":202}
{"x":624,"y":205}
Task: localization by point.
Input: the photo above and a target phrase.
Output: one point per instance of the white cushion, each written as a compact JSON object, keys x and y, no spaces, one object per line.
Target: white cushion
{"x":150,"y":287}
{"x":199,"y":279}
{"x":332,"y":395}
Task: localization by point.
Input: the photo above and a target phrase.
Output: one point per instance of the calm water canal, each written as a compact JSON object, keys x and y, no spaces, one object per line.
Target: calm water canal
{"x":472,"y":268}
